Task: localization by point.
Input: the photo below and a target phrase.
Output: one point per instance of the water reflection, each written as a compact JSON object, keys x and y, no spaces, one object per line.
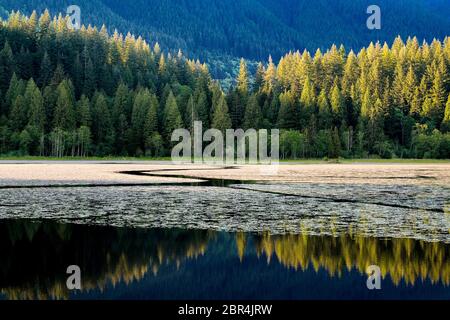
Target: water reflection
{"x":34,"y":257}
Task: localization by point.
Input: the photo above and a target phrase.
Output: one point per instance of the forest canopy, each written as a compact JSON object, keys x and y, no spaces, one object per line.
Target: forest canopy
{"x":82,"y":93}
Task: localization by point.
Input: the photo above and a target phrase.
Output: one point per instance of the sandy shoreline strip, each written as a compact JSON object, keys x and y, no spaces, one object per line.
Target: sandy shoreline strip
{"x":43,"y":173}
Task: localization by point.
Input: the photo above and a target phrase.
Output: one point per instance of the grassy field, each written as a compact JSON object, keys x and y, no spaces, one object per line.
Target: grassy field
{"x":287,"y":161}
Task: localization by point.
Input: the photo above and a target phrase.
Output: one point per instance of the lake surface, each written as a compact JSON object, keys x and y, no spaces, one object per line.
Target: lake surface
{"x":229,"y":241}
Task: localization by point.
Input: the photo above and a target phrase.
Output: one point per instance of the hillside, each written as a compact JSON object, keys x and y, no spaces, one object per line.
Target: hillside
{"x":88,"y":92}
{"x":216,"y":30}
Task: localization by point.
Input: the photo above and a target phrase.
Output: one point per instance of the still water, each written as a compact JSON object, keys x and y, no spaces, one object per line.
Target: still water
{"x":242,"y":241}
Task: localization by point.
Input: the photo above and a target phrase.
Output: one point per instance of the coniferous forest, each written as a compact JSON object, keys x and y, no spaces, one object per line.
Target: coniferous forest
{"x":93,"y":93}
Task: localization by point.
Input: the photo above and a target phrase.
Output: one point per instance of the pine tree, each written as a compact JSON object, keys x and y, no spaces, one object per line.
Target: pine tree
{"x":410,"y":86}
{"x":32,"y":22}
{"x":172,"y":116}
{"x":366,"y":105}
{"x":191,"y":114}
{"x":288,"y":114}
{"x":270,"y":77}
{"x":33,"y":98}
{"x":242,"y":81}
{"x":23,"y":63}
{"x":259,"y":78}
{"x":253,"y":116}
{"x":157,"y":49}
{"x":307,"y":98}
{"x":121,"y":103}
{"x":324,"y":117}
{"x":141,"y":107}
{"x":84,"y":116}
{"x":44,"y":22}
{"x":84,"y":140}
{"x":334,"y":149}
{"x":337,"y":103}
{"x":89,"y":78}
{"x":351,"y":73}
{"x":16,"y":88}
{"x":77,"y":75}
{"x":437,"y":99}
{"x":427,"y":107}
{"x":217,"y":94}
{"x":18,"y":114}
{"x":103,"y":132}
{"x":45,"y":72}
{"x":221,"y":119}
{"x":446,"y":122}
{"x":416,"y":104}
{"x":237,"y":108}
{"x":201,"y":107}
{"x":7,"y":66}
{"x":58,"y":76}
{"x":64,"y":116}
{"x":151,"y":119}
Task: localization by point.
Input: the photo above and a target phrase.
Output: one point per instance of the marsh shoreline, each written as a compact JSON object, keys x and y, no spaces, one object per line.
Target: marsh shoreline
{"x":92,"y":173}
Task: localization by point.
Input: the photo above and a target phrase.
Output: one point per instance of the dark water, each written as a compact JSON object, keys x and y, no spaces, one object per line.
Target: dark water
{"x":225,"y":240}
{"x":140,"y":263}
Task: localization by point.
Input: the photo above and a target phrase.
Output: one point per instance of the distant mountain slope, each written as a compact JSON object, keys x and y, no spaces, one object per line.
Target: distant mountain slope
{"x":257,"y":28}
{"x":217,"y":30}
{"x":323,"y":22}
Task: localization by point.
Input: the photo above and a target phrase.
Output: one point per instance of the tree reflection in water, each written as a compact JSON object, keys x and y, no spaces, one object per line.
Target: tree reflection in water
{"x":34,"y":255}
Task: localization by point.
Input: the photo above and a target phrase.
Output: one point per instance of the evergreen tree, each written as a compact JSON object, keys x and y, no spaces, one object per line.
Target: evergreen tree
{"x":437,"y":96}
{"x":259,"y":78}
{"x":221,"y":118}
{"x":58,"y":76}
{"x":191,"y":113}
{"x":202,"y":106}
{"x":89,"y":78}
{"x":64,"y":116}
{"x":84,"y":116}
{"x":7,"y":66}
{"x":151,"y":119}
{"x":103,"y":132}
{"x":446,"y":121}
{"x":46,"y":71}
{"x":16,"y":87}
{"x":18,"y":115}
{"x":270,"y":77}
{"x":172,"y":116}
{"x":334,"y":149}
{"x":307,"y":98}
{"x":33,"y":98}
{"x":337,"y":103}
{"x":287,"y":115}
{"x":324,"y":116}
{"x":141,"y":108}
{"x":253,"y":116}
{"x":242,"y":81}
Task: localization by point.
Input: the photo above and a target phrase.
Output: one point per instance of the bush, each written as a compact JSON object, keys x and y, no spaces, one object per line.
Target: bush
{"x":434,"y":146}
{"x":292,"y":144}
